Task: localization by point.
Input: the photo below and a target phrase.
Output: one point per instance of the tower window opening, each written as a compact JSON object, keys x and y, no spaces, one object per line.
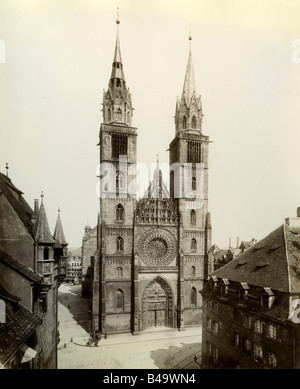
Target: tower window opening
{"x":193,"y":244}
{"x":120,"y":212}
{"x":120,"y":181}
{"x":193,"y":271}
{"x":120,"y":271}
{"x":194,"y":152}
{"x":193,"y":216}
{"x":193,"y":296}
{"x":119,"y":145}
{"x":109,"y":116}
{"x":120,"y":244}
{"x":184,"y":123}
{"x":194,"y":183}
{"x":46,"y":253}
{"x":194,"y":122}
{"x":120,"y":299}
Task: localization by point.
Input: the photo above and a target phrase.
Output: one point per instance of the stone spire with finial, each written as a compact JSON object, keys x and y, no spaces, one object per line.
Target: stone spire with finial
{"x":188,"y":115}
{"x":117,"y":104}
{"x":41,"y":228}
{"x":59,"y":235}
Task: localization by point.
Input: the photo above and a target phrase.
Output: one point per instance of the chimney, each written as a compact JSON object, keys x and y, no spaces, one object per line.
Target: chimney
{"x":229,"y":242}
{"x":35,"y":211}
{"x":237,"y":242}
{"x":294,"y":222}
{"x":36,"y":205}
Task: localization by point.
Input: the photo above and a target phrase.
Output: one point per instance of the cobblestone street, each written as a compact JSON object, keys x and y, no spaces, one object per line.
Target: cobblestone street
{"x":161,"y":348}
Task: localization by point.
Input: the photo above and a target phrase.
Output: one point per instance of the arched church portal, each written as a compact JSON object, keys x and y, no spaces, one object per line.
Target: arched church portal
{"x":158,"y":307}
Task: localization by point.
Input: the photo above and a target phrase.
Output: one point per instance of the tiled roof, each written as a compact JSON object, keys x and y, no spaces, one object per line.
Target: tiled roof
{"x":18,"y":203}
{"x":19,"y":267}
{"x":59,"y":235}
{"x":41,"y":227}
{"x":279,"y":310}
{"x":272,"y":262}
{"x":20,"y":323}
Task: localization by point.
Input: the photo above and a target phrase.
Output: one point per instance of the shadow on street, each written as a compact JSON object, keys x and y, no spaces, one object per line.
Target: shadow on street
{"x":77,"y":305}
{"x":176,"y":357}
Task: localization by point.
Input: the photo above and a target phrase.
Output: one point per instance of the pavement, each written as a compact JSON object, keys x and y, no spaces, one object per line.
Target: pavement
{"x":159,"y":348}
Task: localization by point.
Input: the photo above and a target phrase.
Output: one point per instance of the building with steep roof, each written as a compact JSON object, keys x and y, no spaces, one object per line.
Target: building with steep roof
{"x":29,"y":258}
{"x":152,"y":254}
{"x":251,"y":305}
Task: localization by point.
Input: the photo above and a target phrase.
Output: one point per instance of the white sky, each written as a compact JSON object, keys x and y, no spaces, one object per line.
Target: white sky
{"x":58,"y":61}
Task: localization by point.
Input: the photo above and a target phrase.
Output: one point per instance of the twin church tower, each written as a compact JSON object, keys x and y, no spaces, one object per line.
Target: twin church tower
{"x":153,"y":254}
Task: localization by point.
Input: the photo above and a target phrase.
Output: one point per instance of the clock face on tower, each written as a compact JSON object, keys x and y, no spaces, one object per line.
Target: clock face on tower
{"x":157,"y":247}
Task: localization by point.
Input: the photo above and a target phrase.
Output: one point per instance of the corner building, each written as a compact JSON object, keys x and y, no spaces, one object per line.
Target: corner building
{"x":153,"y":255}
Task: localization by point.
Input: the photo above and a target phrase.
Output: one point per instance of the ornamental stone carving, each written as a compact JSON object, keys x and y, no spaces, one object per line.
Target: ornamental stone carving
{"x":157,"y":247}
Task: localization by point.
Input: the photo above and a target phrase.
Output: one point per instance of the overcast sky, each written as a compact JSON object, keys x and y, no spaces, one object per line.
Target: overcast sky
{"x":58,"y":61}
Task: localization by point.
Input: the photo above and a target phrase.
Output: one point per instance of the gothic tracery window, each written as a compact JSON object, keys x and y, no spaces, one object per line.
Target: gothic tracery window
{"x":120,"y":271}
{"x":119,"y":212}
{"x":193,"y":216}
{"x":194,"y":122}
{"x":120,"y":244}
{"x":119,"y":145}
{"x":194,"y":183}
{"x":184,"y":123}
{"x":120,"y":181}
{"x":193,"y":244}
{"x":119,"y":115}
{"x":193,"y":271}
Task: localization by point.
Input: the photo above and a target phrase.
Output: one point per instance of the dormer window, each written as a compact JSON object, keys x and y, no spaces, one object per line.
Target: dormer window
{"x":243,"y":292}
{"x":267,"y":298}
{"x":215,"y":282}
{"x":224,"y":286}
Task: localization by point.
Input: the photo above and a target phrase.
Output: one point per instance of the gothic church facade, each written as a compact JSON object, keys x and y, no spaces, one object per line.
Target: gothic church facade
{"x":153,"y":254}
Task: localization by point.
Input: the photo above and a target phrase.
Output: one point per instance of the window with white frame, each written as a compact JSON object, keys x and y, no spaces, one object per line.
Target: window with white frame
{"x":215,"y":353}
{"x":236,"y":339}
{"x":258,"y":352}
{"x":215,"y":327}
{"x":272,"y":333}
{"x":247,"y":321}
{"x":248,"y":346}
{"x":258,"y":326}
{"x":272,"y":360}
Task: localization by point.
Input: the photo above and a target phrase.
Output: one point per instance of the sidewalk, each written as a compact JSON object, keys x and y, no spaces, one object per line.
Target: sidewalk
{"x":167,"y":349}
{"x":160,"y":333}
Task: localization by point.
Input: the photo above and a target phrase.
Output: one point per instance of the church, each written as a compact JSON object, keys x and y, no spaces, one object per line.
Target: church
{"x":153,"y":254}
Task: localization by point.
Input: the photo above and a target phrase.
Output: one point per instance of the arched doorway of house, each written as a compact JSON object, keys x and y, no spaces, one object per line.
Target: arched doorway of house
{"x":158,"y":304}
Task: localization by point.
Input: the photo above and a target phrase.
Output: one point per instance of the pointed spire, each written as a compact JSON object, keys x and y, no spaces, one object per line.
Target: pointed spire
{"x":59,"y":235}
{"x":41,"y":230}
{"x":189,"y":86}
{"x":117,"y":69}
